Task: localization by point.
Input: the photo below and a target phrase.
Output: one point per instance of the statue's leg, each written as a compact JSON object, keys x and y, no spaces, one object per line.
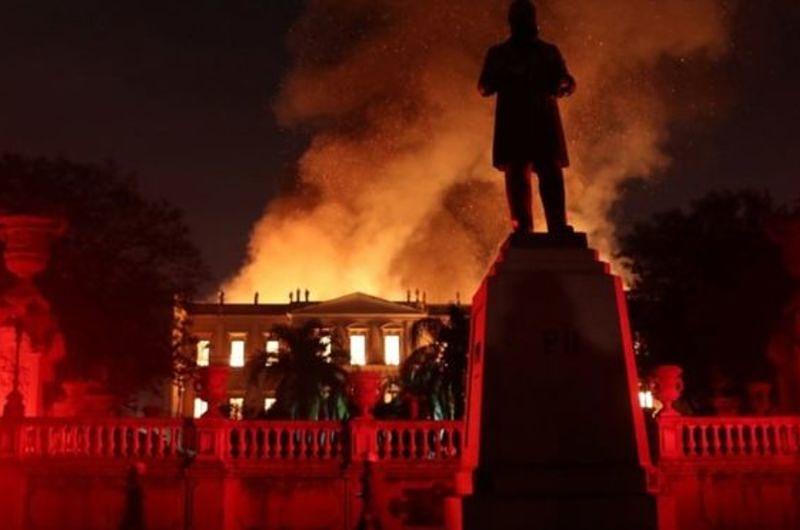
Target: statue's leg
{"x":551,"y":188}
{"x":518,"y":191}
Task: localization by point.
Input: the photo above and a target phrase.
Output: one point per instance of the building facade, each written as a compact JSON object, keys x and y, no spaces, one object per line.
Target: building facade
{"x":376,"y":333}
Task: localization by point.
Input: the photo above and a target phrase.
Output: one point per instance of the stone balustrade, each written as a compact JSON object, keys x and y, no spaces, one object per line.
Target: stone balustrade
{"x":87,"y":438}
{"x":419,"y":440}
{"x":271,"y":441}
{"x":685,"y":438}
{"x":230,"y":441}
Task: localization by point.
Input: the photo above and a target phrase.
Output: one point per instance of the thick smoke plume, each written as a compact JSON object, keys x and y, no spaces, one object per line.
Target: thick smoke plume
{"x":396,"y":190}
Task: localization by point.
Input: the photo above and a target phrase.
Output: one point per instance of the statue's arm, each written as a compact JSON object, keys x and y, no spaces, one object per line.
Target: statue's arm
{"x":566,"y":83}
{"x":488,"y":82}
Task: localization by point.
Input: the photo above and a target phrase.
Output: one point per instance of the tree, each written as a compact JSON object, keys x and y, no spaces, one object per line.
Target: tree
{"x":436,"y":371}
{"x":113,"y":278}
{"x":310,"y":381}
{"x":708,"y":288}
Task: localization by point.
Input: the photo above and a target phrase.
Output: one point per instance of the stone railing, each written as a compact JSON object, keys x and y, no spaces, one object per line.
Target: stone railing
{"x":686,"y":438}
{"x":419,"y":440}
{"x":88,"y":438}
{"x":263,"y":441}
{"x":233,"y":442}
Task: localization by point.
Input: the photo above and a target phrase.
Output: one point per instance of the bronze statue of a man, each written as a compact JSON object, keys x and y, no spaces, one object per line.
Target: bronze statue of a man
{"x":528,"y":74}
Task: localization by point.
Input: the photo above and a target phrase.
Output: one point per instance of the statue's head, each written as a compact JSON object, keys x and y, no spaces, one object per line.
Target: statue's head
{"x":522,"y":18}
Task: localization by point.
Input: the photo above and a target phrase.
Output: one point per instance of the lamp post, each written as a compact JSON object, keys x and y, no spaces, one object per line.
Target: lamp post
{"x":14,"y":408}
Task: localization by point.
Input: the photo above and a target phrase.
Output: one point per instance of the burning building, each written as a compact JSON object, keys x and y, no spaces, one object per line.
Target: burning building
{"x":376,"y":334}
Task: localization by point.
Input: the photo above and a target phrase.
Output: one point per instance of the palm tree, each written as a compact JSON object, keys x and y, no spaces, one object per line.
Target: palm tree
{"x":436,"y":371}
{"x":309,"y":380}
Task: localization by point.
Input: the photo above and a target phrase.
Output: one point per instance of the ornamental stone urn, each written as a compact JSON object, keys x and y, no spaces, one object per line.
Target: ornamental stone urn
{"x":668,"y":387}
{"x":365,"y":390}
{"x":27,"y":240}
{"x":215,"y":389}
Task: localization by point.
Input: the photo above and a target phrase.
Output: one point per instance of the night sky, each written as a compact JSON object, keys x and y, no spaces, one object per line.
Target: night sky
{"x":180,"y":93}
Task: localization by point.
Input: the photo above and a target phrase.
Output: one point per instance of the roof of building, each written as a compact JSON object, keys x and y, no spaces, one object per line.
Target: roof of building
{"x":351,"y":304}
{"x":359,"y":304}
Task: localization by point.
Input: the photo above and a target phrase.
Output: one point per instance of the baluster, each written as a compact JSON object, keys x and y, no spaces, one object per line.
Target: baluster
{"x":80,"y":440}
{"x":272,"y":443}
{"x":123,"y":441}
{"x":159,"y":434}
{"x":283,"y":443}
{"x":243,"y":440}
{"x":167,"y":440}
{"x":63,"y":440}
{"x":741,"y":443}
{"x":139,"y":441}
{"x":252,"y":442}
{"x":49,"y":442}
{"x":314,"y":447}
{"x":69,"y":437}
{"x":98,"y":439}
{"x":749,"y":441}
{"x":294,"y":442}
{"x":235,"y":442}
{"x":324,"y":444}
{"x":327,"y":442}
{"x":83,"y":440}
{"x":729,"y":445}
{"x":437,"y":443}
{"x":759,"y":440}
{"x":258,"y":442}
{"x":785,"y":437}
{"x":382,"y":445}
{"x":770,"y":434}
{"x":82,"y":447}
{"x":715,"y":440}
{"x":66,"y":440}
{"x":690,"y":448}
{"x":300,"y":442}
{"x":96,"y":430}
{"x":708,"y":441}
{"x":102,"y":441}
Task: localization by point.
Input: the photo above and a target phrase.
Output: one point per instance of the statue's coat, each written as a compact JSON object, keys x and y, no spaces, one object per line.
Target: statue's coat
{"x":526,"y":74}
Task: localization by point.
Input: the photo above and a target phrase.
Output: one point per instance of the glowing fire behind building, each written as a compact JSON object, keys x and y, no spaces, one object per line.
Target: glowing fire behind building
{"x":396,"y":189}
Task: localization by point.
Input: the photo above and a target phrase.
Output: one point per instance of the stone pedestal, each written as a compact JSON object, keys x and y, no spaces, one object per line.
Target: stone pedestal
{"x":31,"y":343}
{"x":554,"y":428}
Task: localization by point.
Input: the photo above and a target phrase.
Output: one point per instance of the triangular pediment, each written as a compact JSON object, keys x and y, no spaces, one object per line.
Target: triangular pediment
{"x":357,"y":304}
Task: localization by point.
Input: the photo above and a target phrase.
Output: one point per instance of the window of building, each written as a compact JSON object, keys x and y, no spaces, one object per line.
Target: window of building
{"x":358,"y":349}
{"x":200,"y":407}
{"x":268,"y":403}
{"x":646,"y":399}
{"x":391,"y":349}
{"x":236,"y":406}
{"x":237,"y":352}
{"x":203,"y":352}
{"x":273,"y":346}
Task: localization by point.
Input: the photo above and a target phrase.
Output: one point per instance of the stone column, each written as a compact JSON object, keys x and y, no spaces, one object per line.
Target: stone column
{"x":553,"y":423}
{"x":374,"y":343}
